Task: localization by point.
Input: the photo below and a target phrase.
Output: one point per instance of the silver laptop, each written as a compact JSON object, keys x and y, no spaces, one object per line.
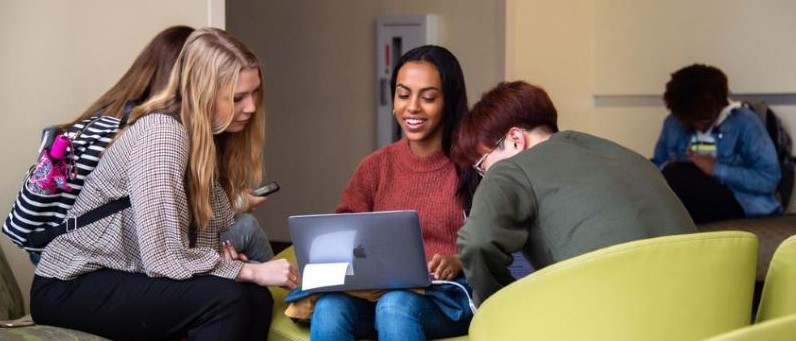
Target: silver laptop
{"x":379,"y":250}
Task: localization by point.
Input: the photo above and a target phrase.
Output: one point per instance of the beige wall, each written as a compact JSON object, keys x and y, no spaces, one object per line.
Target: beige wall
{"x":319,"y":62}
{"x":554,"y":44}
{"x":320,"y":78}
{"x":549,"y":43}
{"x":639,"y":42}
{"x":58,"y":56}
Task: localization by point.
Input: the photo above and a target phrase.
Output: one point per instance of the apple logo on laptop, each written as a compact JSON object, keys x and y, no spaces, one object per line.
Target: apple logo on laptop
{"x":359,"y":251}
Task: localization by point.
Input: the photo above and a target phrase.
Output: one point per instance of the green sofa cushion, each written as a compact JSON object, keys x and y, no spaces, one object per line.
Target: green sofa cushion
{"x":37,"y":332}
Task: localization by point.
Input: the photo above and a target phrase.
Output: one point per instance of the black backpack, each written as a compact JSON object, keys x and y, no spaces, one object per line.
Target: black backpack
{"x":782,"y":144}
{"x":36,"y":219}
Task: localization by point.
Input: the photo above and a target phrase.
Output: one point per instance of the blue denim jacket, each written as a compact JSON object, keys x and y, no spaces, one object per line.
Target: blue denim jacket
{"x":746,"y":161}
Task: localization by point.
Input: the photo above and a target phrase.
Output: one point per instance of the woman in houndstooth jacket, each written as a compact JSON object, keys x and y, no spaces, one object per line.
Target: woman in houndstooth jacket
{"x":158,"y":269}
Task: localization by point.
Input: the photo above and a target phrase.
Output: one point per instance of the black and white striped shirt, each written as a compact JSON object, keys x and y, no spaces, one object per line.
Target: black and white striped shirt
{"x":147,"y":162}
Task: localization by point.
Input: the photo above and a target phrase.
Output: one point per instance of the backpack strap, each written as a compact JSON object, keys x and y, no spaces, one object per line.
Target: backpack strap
{"x":128,"y":108}
{"x":40,"y":239}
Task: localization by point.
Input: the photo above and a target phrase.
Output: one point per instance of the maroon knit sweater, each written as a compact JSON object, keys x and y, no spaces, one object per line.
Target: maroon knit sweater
{"x":394,"y":178}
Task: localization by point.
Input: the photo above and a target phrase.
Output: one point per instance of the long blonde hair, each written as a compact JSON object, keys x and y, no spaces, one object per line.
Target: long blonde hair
{"x":209,"y":63}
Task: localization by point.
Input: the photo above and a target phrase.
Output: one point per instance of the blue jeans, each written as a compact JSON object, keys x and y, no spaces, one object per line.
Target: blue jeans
{"x":397,"y":315}
{"x":249,"y":238}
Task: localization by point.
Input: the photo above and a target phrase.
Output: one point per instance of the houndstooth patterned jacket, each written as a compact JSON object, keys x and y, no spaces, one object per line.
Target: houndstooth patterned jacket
{"x":147,"y":162}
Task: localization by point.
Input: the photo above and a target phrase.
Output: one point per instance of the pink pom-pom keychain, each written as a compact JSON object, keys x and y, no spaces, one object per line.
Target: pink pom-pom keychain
{"x":51,"y":171}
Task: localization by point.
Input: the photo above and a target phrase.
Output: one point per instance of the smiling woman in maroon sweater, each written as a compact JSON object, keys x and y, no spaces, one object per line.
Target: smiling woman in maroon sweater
{"x":415,"y":173}
{"x":395,"y":178}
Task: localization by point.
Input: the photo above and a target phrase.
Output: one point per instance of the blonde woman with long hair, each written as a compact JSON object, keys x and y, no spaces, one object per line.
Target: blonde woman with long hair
{"x":158,"y":269}
{"x":148,"y":75}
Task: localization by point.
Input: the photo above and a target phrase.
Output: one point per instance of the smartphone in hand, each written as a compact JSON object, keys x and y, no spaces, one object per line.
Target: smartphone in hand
{"x":267,"y":189}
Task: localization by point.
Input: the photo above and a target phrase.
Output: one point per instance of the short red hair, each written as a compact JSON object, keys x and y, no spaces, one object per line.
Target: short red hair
{"x":509,"y":104}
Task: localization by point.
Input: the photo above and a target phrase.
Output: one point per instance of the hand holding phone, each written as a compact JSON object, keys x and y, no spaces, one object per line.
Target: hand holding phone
{"x":267,"y":189}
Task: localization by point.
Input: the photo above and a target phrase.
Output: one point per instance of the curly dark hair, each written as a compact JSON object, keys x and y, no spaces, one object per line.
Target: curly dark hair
{"x":696,"y":92}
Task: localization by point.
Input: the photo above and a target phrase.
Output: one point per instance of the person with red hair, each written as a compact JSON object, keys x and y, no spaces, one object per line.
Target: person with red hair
{"x":551,"y":195}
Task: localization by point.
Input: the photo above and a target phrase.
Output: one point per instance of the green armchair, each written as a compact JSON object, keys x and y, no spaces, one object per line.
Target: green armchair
{"x":778,"y":298}
{"x":782,"y":328}
{"x":681,"y":287}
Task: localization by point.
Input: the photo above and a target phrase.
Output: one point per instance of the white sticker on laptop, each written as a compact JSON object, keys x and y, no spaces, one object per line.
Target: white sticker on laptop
{"x":317,"y":275}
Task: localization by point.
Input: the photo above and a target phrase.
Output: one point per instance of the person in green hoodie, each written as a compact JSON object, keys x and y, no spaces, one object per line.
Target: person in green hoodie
{"x":551,"y":195}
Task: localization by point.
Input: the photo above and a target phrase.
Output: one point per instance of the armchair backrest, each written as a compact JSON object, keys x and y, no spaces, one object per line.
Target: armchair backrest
{"x":779,"y":290}
{"x":11,"y":304}
{"x":778,"y":329}
{"x":681,"y":287}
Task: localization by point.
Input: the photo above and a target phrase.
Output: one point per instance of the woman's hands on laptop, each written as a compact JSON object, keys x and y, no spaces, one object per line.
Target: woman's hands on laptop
{"x":445,"y":267}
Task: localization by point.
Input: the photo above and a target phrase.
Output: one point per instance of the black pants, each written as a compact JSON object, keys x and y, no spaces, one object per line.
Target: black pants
{"x":132,"y":306}
{"x":705,"y":198}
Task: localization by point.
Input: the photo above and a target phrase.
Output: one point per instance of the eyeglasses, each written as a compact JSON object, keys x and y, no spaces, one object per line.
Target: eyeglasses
{"x":477,"y":166}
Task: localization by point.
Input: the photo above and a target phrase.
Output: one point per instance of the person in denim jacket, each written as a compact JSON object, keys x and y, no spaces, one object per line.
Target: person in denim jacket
{"x":715,"y":153}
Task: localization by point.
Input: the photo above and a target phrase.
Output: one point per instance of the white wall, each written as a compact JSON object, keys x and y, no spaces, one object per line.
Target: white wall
{"x":58,"y":56}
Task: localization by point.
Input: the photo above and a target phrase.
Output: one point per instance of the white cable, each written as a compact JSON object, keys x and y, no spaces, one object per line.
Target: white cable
{"x":469,"y":299}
